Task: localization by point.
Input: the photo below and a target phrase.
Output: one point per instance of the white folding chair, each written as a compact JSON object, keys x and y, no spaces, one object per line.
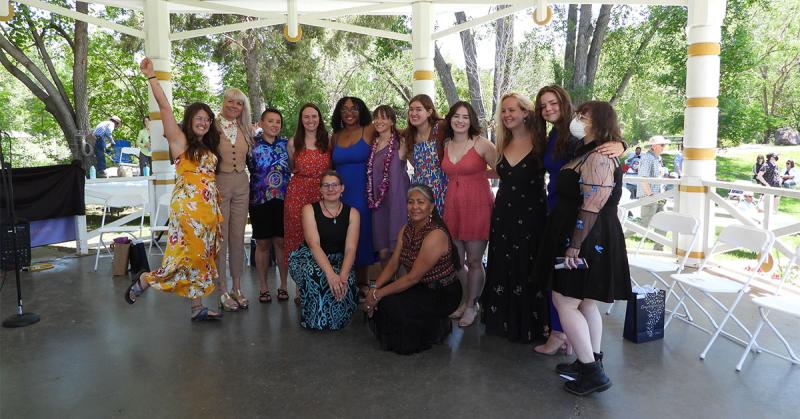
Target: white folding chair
{"x":788,"y":304}
{"x":164,"y":200}
{"x":677,"y":224}
{"x":737,"y":236}
{"x":118,"y":201}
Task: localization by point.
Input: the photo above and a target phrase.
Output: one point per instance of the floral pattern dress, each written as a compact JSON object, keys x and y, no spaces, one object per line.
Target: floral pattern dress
{"x":303,"y":189}
{"x":428,"y":169}
{"x":189,"y":266}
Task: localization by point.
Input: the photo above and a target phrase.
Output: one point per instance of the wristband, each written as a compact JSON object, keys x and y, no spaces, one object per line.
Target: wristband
{"x":151,"y":77}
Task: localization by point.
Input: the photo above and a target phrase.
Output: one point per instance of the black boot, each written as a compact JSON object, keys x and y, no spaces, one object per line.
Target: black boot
{"x":591,"y":378}
{"x":571,"y":370}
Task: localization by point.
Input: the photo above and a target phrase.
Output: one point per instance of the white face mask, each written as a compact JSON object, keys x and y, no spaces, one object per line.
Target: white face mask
{"x":577,"y":128}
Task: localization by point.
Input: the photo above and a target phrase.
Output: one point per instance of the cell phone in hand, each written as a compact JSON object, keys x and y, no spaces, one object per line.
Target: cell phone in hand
{"x":581,"y":262}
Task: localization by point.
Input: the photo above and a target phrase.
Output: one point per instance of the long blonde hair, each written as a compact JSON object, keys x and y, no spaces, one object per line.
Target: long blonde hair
{"x":503,"y":134}
{"x":244,"y":119}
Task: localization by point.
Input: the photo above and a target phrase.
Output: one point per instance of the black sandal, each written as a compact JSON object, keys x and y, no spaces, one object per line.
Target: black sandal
{"x":204,"y":315}
{"x":134,"y":288}
{"x":264,"y":297}
{"x":283,"y":295}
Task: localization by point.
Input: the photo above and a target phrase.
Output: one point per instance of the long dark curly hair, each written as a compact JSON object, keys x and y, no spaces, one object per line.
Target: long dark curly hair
{"x":197,"y":146}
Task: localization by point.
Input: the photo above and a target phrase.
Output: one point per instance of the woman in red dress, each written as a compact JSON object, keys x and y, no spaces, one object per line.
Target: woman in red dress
{"x":309,"y":157}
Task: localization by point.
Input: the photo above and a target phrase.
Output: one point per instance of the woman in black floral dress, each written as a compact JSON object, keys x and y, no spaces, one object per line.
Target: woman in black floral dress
{"x":513,"y":305}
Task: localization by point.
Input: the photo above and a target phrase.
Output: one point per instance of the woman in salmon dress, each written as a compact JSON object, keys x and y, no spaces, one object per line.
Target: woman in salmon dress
{"x":468,"y":202}
{"x":189,"y":266}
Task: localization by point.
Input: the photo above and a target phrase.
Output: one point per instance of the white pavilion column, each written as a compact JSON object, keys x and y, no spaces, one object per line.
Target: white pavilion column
{"x":703,"y":32}
{"x":157,"y":46}
{"x":422,"y":48}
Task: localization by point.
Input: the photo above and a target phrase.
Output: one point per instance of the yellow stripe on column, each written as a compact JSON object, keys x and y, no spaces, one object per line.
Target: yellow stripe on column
{"x":693,"y":189}
{"x":10,"y":15}
{"x":423,"y":75}
{"x":704,"y":48}
{"x":702,"y":102}
{"x":154,"y":116}
{"x":164,"y":75}
{"x":164,"y":181}
{"x":160,"y":156}
{"x":700,"y":153}
{"x":693,"y":255}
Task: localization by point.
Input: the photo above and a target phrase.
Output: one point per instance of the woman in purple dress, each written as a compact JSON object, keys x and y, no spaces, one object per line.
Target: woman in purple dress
{"x":387,"y":182}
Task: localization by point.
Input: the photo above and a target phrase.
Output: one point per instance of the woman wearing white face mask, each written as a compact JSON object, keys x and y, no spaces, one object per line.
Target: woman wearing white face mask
{"x":584,"y":225}
{"x":554,"y":107}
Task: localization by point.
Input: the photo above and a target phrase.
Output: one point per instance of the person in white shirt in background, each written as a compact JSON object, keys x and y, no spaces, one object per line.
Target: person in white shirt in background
{"x":651,"y":165}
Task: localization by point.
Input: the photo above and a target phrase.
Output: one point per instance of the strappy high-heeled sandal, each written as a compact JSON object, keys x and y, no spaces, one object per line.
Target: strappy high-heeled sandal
{"x":226,"y":303}
{"x":239,"y":297}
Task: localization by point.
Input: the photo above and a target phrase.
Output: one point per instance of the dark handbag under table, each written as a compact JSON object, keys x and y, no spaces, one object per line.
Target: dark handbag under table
{"x":644,"y":317}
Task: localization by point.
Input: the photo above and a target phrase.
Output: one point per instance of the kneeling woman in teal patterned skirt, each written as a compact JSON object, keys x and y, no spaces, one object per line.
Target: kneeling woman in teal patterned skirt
{"x":322,"y":266}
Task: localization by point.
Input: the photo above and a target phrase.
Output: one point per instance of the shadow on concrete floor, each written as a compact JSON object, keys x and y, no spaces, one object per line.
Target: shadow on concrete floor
{"x":93,"y":356}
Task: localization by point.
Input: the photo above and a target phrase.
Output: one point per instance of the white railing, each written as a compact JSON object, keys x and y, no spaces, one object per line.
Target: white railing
{"x":719,"y":208}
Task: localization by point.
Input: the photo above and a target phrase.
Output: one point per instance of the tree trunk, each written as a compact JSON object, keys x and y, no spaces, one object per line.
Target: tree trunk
{"x":581,"y":50}
{"x":593,"y":59}
{"x":445,"y":76}
{"x":471,"y":63}
{"x":503,"y":54}
{"x":252,"y":73}
{"x":626,"y":78}
{"x":80,"y":96}
{"x":569,"y":50}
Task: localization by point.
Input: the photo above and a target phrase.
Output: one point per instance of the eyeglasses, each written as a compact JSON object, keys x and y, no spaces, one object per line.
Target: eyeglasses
{"x":349,"y":110}
{"x":202,"y":119}
{"x":581,"y":117}
{"x":330,"y":185}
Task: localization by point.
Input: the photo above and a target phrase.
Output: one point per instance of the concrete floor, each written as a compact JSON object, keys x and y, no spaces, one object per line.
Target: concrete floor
{"x":93,"y":356}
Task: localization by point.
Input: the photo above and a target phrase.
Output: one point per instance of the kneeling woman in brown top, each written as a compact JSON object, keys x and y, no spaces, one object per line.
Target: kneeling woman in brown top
{"x":411,"y":312}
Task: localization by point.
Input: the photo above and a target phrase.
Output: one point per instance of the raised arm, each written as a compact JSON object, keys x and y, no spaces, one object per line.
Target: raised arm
{"x":597,"y":173}
{"x":173,"y":133}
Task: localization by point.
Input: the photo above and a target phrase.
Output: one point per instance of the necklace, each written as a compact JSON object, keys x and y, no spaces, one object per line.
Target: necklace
{"x":372,"y":200}
{"x":329,"y":212}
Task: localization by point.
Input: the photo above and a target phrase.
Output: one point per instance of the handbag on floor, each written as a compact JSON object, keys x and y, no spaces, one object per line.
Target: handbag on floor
{"x":138,"y":257}
{"x":644,"y":317}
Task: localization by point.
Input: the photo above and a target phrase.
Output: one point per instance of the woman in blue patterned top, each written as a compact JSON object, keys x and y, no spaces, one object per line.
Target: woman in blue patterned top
{"x":269,"y":176}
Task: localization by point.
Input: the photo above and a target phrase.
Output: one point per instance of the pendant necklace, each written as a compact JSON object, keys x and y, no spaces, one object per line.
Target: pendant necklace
{"x":338,"y":211}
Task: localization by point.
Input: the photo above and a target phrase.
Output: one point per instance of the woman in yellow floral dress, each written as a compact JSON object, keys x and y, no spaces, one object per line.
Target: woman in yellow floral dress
{"x":189,"y":265}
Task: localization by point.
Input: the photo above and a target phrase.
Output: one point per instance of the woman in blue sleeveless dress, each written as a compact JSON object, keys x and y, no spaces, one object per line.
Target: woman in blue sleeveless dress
{"x":351,"y":140}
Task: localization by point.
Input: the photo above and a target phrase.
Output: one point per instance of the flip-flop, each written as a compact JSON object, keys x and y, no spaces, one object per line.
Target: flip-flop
{"x":135,"y":288}
{"x":283,"y":295}
{"x":205,"y":315}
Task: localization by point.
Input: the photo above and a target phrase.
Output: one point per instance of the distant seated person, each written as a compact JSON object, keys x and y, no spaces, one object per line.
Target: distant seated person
{"x":748,"y":205}
{"x":323,"y":266}
{"x":143,"y":144}
{"x":789,"y":176}
{"x":103,"y":134}
{"x":410,"y":313}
